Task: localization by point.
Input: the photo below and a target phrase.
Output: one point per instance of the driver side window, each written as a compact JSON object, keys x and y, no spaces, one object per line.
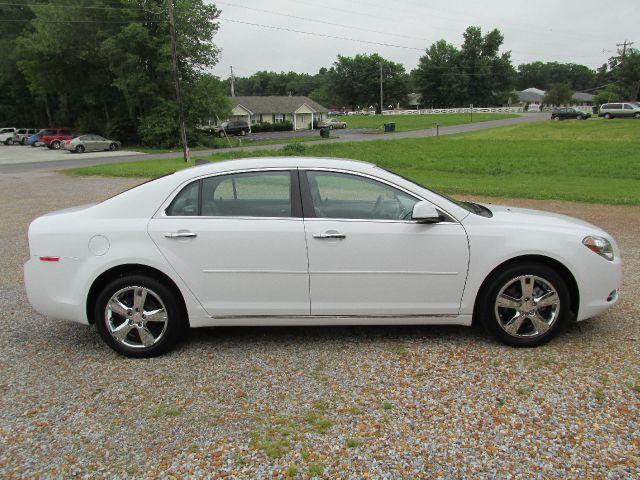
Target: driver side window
{"x":342,"y":195}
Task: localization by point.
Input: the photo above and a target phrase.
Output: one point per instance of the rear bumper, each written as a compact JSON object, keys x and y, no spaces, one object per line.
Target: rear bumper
{"x":48,"y":295}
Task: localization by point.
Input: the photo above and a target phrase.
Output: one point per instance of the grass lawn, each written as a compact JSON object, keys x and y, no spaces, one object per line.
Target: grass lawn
{"x":233,"y":142}
{"x":405,"y":123}
{"x":594,"y":161}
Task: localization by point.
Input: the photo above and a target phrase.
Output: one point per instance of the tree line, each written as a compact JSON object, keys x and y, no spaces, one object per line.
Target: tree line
{"x":105,"y":66}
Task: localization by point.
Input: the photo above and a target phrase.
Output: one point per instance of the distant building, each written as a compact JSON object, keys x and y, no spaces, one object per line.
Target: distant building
{"x":300,"y":111}
{"x":533,"y":98}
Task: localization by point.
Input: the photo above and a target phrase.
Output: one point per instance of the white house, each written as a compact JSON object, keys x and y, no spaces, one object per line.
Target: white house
{"x":273,"y":109}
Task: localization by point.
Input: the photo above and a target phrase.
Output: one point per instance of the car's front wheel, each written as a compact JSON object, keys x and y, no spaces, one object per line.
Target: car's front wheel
{"x":636,"y":115}
{"x":80,"y":149}
{"x":55,"y":145}
{"x":524,"y":304}
{"x":555,"y":118}
{"x":607,"y":116}
{"x":138,"y":316}
{"x":113,"y":147}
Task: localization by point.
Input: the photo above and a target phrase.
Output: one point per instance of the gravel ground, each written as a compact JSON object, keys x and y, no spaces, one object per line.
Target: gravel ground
{"x":351,"y":403}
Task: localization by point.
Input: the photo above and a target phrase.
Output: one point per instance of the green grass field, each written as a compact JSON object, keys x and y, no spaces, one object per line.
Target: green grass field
{"x":594,"y":161}
{"x":405,"y":123}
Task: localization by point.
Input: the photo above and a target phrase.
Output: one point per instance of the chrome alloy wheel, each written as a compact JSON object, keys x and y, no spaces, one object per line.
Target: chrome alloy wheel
{"x":136,"y":317}
{"x":527,"y":306}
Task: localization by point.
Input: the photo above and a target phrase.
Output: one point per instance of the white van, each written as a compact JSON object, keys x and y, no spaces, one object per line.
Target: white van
{"x":622,"y":109}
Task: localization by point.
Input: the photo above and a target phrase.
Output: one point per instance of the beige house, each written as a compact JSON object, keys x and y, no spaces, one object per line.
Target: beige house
{"x":273,"y":109}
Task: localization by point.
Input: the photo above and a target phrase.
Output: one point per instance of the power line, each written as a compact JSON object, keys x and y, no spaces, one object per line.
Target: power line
{"x":321,"y":21}
{"x":82,"y":7}
{"x":336,"y":37}
{"x":37,"y":20}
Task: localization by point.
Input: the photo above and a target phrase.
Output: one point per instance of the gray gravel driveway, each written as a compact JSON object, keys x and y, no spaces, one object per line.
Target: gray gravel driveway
{"x":352,"y":402}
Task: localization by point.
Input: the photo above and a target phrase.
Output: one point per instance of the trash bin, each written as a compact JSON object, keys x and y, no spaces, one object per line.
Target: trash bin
{"x":324,"y":132}
{"x":390,"y":127}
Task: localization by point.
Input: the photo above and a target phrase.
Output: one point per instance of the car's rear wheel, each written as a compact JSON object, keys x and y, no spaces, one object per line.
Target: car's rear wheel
{"x":555,"y":118}
{"x":80,"y":149}
{"x":242,"y":133}
{"x":221,"y":134}
{"x":8,"y":141}
{"x":524,"y":304}
{"x":113,"y":147}
{"x":55,"y":145}
{"x":607,"y":116}
{"x":636,"y":115}
{"x":138,"y":316}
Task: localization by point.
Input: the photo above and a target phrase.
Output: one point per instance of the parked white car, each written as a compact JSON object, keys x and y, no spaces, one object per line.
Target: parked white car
{"x":311,"y":241}
{"x":6,"y":135}
{"x":332,"y":123}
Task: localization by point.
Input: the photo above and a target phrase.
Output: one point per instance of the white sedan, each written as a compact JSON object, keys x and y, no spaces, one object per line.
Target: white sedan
{"x":311,"y":241}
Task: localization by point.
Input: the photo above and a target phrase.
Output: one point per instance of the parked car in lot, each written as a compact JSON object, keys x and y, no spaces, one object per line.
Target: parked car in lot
{"x":235,"y":127}
{"x":53,"y":137}
{"x":90,"y":142}
{"x":332,"y":123}
{"x":312,"y":241}
{"x":622,"y":109}
{"x":6,"y":135}
{"x":22,"y":134}
{"x":35,"y":140}
{"x":566,"y":113}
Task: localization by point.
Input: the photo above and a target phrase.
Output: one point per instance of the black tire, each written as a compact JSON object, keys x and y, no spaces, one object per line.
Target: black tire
{"x":174,"y":327}
{"x":243,"y":133}
{"x":636,"y":115}
{"x":221,"y":134}
{"x":526,"y":335}
{"x":608,"y":116}
{"x":113,"y":147}
{"x":80,"y":149}
{"x":8,"y":142}
{"x":23,"y":142}
{"x":55,"y":145}
{"x":555,"y":118}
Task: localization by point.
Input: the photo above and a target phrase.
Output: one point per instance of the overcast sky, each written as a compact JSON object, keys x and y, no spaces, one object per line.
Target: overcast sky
{"x":576,"y":31}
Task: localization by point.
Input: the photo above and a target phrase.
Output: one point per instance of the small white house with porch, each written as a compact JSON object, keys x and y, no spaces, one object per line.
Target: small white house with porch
{"x":300,"y":111}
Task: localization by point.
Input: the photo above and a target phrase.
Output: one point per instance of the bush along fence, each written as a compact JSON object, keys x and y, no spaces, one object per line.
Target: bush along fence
{"x":272,"y":127}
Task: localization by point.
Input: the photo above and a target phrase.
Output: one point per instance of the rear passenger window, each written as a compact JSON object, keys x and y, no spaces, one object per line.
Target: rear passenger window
{"x":186,"y":202}
{"x":259,"y":194}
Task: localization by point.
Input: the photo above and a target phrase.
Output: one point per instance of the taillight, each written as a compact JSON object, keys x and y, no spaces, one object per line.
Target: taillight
{"x":67,"y":142}
{"x":49,"y":259}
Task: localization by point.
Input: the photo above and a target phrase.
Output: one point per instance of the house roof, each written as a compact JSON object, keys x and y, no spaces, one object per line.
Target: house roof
{"x":529,"y":96}
{"x":537,"y":91}
{"x":276,"y":104}
{"x":587,"y":97}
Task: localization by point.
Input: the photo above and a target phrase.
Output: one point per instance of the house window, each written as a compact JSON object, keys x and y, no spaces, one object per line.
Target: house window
{"x":256,"y":119}
{"x":278,"y":117}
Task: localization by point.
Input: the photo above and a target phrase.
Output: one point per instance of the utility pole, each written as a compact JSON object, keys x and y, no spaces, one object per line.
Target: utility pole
{"x":381,"y":88}
{"x":233,"y":89}
{"x":624,"y":48}
{"x":176,"y":79}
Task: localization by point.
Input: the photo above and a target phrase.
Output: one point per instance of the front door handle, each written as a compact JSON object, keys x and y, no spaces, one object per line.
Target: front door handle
{"x":330,"y":234}
{"x":181,"y":234}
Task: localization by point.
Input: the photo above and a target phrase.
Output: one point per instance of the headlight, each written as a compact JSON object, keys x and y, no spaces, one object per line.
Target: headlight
{"x":599,"y":245}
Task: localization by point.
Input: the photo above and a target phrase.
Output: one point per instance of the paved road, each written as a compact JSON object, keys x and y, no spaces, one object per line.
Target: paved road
{"x":342,"y":136}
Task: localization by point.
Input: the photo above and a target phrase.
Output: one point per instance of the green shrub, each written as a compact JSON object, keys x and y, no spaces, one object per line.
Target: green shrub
{"x":294,"y":148}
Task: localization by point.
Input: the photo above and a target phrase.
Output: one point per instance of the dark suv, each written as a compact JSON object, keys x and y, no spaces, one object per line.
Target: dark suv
{"x":53,"y":137}
{"x":235,"y":127}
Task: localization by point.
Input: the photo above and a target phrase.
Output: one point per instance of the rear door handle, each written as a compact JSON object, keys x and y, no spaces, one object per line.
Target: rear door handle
{"x":181,"y":234}
{"x":326,"y":235}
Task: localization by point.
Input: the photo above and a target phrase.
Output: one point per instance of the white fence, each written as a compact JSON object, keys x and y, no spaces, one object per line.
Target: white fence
{"x":432,"y":111}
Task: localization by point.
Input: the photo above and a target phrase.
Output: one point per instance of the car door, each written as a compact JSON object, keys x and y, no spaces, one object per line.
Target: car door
{"x":237,"y":240}
{"x":366,"y":255}
{"x":101,"y":143}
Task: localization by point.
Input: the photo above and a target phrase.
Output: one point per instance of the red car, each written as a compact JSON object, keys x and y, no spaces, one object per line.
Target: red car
{"x":54,"y":137}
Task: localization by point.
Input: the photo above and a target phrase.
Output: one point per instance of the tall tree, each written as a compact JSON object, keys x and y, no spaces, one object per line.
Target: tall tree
{"x":105,"y":66}
{"x":542,"y":74}
{"x":476,"y":73}
{"x":558,"y":94}
{"x":356,"y":81}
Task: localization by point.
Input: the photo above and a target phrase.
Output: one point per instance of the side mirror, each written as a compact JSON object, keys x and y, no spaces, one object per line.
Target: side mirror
{"x":425,"y":212}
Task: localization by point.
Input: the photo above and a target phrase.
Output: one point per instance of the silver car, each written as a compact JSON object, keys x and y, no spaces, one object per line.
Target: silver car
{"x":90,"y":142}
{"x":621,"y":109}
